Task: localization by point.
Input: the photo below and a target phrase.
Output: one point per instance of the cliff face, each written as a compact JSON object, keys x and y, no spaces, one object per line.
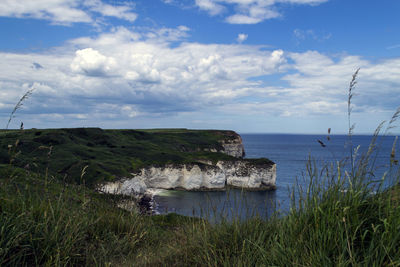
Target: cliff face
{"x":230,"y":143}
{"x":233,"y":147}
{"x":201,"y":176}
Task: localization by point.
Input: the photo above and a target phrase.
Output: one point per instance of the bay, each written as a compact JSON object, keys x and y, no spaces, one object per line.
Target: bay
{"x":290,"y":152}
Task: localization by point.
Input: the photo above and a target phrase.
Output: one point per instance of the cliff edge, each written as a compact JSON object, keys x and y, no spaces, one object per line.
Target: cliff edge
{"x":247,"y":174}
{"x":133,"y":161}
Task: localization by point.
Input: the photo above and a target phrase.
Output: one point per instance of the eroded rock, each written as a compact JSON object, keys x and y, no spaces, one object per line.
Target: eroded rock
{"x":198,"y":176}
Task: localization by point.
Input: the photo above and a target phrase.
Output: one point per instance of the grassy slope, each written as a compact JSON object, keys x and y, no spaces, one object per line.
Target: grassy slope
{"x":109,"y":154}
{"x":47,"y":222}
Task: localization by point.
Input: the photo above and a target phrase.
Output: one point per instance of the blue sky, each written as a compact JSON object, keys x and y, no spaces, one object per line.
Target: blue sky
{"x":272,"y":66}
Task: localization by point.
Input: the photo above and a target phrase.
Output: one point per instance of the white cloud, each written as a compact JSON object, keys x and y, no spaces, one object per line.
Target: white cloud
{"x":148,"y":75}
{"x":90,"y":62}
{"x":120,"y":11}
{"x":90,"y":81}
{"x":65,"y":11}
{"x":60,"y":11}
{"x":393,"y":46}
{"x":323,"y":79}
{"x":210,"y":6}
{"x":249,"y":11}
{"x":167,"y":34}
{"x":253,"y":15}
{"x":241,"y":37}
{"x":301,"y":35}
{"x":129,"y":111}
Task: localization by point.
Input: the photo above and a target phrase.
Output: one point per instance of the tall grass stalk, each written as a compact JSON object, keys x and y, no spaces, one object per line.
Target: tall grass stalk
{"x":19,"y":105}
{"x":351,"y":126}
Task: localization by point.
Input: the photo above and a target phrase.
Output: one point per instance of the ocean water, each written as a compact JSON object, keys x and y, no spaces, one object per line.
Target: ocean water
{"x":290,"y":153}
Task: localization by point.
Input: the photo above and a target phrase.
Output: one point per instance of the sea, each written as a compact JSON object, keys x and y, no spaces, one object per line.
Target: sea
{"x":290,"y":152}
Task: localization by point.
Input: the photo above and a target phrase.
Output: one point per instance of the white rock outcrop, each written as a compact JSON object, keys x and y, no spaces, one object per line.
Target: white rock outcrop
{"x":132,"y":186}
{"x":198,"y":176}
{"x":243,"y":174}
{"x":233,"y":147}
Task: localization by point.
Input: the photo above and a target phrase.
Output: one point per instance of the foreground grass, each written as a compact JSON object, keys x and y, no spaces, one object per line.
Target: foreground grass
{"x":47,"y":222}
{"x":333,"y":228}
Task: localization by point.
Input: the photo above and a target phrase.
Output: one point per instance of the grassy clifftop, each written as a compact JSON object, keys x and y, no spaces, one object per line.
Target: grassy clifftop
{"x":109,"y":154}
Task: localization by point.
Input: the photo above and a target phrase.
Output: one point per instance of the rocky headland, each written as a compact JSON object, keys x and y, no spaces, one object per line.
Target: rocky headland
{"x":203,"y":175}
{"x":139,"y":162}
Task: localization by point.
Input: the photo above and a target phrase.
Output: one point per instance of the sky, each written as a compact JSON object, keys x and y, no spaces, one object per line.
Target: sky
{"x":253,"y":66}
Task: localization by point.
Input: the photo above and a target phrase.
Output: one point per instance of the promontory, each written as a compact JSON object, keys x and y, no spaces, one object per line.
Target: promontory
{"x":134,"y":161}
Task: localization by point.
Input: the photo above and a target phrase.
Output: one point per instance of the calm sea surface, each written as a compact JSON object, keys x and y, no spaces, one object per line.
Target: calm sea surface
{"x":290,"y":153}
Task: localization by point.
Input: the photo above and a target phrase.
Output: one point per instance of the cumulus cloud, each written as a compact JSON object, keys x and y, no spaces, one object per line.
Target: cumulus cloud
{"x":324,"y":79}
{"x":91,"y":82}
{"x":65,"y":11}
{"x":151,"y":77}
{"x":249,"y":11}
{"x":90,"y":62}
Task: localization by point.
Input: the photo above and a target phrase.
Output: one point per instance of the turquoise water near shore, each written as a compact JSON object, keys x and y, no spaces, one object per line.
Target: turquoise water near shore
{"x":290,"y":152}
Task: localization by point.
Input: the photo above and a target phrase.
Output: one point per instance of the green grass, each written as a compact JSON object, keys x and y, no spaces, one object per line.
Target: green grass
{"x":46,"y":222}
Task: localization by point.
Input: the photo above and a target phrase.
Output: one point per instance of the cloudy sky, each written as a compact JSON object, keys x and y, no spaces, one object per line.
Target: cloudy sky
{"x":272,"y":66}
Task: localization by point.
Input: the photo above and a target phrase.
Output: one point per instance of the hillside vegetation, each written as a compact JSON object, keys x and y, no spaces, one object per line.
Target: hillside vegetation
{"x":108,"y":154}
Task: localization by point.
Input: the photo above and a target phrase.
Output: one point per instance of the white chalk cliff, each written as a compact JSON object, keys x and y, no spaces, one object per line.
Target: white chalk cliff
{"x":233,"y":147}
{"x":203,"y":175}
{"x":239,"y":173}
